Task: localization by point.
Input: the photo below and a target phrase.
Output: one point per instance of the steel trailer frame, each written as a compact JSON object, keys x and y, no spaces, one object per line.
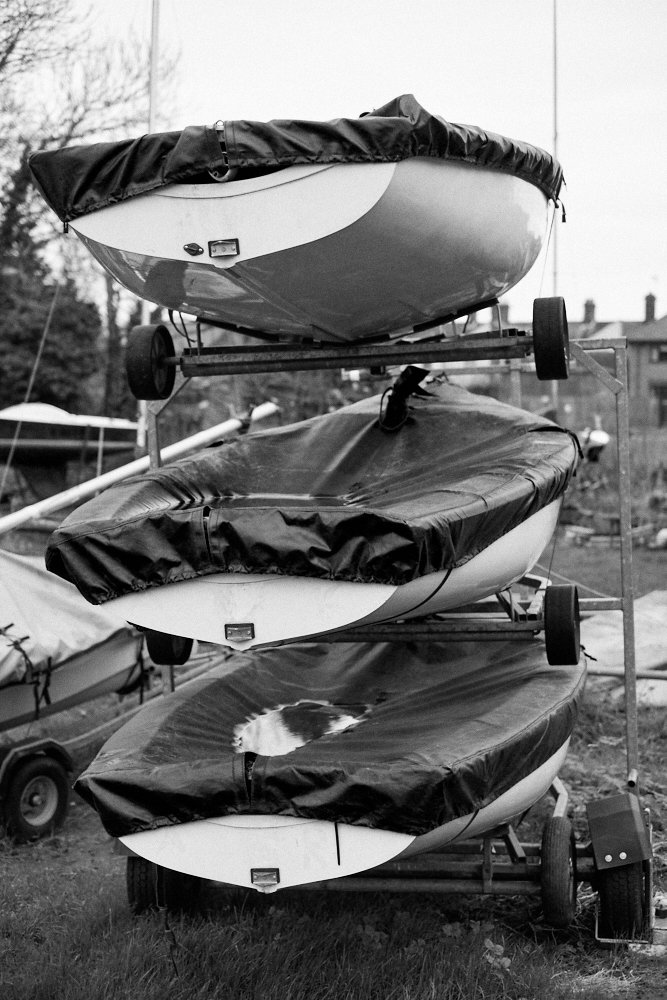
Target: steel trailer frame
{"x":496,"y":863}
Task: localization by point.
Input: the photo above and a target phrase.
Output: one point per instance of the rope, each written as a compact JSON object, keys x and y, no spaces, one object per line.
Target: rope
{"x":560,"y":576}
{"x":547,"y":246}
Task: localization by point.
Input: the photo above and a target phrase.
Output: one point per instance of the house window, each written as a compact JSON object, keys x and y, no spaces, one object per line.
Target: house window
{"x":658,"y":353}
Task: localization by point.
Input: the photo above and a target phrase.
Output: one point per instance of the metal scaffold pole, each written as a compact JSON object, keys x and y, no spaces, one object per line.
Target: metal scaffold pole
{"x":625,"y":515}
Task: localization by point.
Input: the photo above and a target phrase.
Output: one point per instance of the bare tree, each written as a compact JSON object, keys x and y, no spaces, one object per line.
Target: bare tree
{"x":30,"y":36}
{"x":57,"y":88}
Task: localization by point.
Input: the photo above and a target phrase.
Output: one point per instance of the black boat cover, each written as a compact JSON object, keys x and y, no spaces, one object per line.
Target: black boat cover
{"x":435,"y":732}
{"x":78,"y":180}
{"x":333,"y":497}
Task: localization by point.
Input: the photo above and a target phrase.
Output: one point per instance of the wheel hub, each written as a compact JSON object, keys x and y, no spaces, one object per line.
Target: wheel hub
{"x":39,"y":801}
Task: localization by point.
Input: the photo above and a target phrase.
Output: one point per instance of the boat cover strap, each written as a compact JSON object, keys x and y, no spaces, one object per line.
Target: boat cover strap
{"x":332,"y":498}
{"x":427,"y":733}
{"x":78,"y":180}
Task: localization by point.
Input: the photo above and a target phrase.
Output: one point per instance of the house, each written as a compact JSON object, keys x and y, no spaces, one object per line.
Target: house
{"x":647,"y":364}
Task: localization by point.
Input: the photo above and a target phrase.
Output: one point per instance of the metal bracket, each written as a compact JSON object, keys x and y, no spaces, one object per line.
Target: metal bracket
{"x":619,"y":834}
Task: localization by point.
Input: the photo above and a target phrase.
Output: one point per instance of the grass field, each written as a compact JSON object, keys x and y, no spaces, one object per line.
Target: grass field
{"x":66,"y":932}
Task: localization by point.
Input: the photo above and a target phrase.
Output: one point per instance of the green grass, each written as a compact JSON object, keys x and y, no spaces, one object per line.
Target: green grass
{"x":66,"y":932}
{"x":597,"y":569}
{"x":85,"y":946}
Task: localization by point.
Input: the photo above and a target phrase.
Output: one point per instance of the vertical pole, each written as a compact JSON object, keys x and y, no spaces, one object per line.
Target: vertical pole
{"x":554,"y":231}
{"x":515,"y":381}
{"x":555,"y":135}
{"x":142,"y":414}
{"x":99,"y":468}
{"x":627,"y":587}
{"x":152,"y":79}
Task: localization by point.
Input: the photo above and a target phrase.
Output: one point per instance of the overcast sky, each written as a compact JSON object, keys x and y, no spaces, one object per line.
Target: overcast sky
{"x":479,"y":62}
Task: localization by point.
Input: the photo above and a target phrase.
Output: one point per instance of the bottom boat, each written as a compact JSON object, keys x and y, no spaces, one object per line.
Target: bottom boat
{"x":316,"y":761}
{"x":393,"y":507}
{"x":58,"y":652}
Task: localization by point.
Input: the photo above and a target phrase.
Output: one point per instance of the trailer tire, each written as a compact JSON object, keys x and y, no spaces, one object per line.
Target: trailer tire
{"x":167,"y":650}
{"x":551,"y":341}
{"x":621,"y":901}
{"x":151,"y":887}
{"x":558,"y":876}
{"x":37,"y":798}
{"x":146,"y":354}
{"x":562,"y":633}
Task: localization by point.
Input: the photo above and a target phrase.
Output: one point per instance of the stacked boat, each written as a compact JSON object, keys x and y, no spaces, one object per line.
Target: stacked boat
{"x":296,"y":761}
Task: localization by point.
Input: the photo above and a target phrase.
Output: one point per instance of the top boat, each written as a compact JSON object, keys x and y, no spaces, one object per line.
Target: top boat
{"x":339,"y":231}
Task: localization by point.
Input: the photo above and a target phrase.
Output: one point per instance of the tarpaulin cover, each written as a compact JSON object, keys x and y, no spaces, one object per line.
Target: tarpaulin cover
{"x":49,"y":618}
{"x":78,"y":180}
{"x":334,"y":497}
{"x":441,"y":731}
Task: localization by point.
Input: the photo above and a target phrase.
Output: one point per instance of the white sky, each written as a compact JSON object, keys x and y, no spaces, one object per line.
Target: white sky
{"x":480,"y":62}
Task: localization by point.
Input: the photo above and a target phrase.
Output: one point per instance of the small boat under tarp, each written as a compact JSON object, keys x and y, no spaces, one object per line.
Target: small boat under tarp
{"x":55,"y":650}
{"x":315,"y":761}
{"x":328,"y":523}
{"x":340,"y":231}
{"x":46,"y":434}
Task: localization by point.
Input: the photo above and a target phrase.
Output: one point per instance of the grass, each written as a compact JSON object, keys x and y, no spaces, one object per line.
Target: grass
{"x":82,"y":944}
{"x":66,"y":932}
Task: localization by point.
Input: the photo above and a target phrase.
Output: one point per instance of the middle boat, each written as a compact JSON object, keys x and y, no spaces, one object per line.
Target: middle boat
{"x":394,"y":507}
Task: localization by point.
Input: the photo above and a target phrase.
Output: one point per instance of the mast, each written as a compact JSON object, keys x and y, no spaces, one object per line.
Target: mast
{"x":554,"y":228}
{"x":152,"y":77}
{"x":142,"y":410}
{"x":555,"y":134}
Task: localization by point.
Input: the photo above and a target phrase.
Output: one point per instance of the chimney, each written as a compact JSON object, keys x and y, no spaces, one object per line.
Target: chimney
{"x":505,"y":314}
{"x":649,"y":313}
{"x":589,"y":311}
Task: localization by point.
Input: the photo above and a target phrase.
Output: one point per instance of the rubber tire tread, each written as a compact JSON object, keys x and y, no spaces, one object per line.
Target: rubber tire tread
{"x":550,"y":339}
{"x":167,"y":650}
{"x":558,"y":872}
{"x":16,"y":826}
{"x":621,"y":896}
{"x":141,"y":883}
{"x":147,"y":347}
{"x":149,"y":887}
{"x":562,"y":633}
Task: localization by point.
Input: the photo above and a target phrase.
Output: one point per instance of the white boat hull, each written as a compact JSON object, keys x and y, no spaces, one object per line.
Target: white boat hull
{"x":336,"y":252}
{"x":282,"y":608}
{"x":107,"y":668}
{"x":241,"y":850}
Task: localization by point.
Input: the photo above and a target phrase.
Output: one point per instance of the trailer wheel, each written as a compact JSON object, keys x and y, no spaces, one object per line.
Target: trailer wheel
{"x":550,"y":339}
{"x":558,"y":872}
{"x":562,"y":625}
{"x":621,"y":902}
{"x":37,"y":798}
{"x":149,"y":887}
{"x":146,"y":355}
{"x":167,"y":650}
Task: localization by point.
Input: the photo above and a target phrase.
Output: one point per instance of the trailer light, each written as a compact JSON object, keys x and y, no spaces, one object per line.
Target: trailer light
{"x":240,"y":632}
{"x":223,"y":248}
{"x":265,"y":878}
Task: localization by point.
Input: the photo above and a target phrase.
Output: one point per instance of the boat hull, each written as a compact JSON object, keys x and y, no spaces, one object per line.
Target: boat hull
{"x":96,"y":672}
{"x":57,"y":652}
{"x":282,"y":608}
{"x":341,"y":252}
{"x":230,"y":849}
